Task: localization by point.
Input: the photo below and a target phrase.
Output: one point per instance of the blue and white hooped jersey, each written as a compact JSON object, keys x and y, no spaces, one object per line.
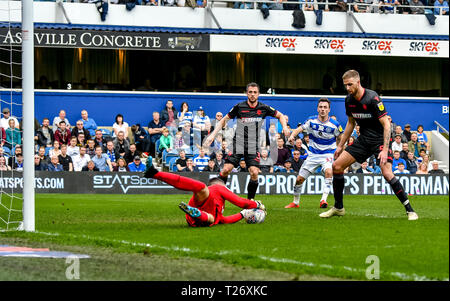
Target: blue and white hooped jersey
{"x":322,"y":135}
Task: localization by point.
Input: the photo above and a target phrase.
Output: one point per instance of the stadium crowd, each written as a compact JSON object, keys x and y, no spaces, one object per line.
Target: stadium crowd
{"x":440,"y":7}
{"x":174,"y":139}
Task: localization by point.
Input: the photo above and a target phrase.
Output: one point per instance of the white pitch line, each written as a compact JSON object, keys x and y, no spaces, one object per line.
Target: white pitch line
{"x":400,"y":275}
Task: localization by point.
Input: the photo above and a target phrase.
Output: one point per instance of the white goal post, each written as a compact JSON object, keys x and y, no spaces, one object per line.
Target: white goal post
{"x":28,"y":115}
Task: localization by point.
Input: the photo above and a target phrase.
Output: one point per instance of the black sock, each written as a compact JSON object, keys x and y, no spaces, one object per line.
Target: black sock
{"x":397,"y":187}
{"x":338,"y":190}
{"x":223,"y":178}
{"x":251,"y":189}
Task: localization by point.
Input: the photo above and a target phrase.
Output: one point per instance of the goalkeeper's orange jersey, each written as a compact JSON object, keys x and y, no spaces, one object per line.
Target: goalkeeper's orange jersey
{"x":215,"y":204}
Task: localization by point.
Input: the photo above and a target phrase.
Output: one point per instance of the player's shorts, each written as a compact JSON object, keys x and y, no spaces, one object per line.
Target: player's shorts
{"x":210,"y":206}
{"x":250,"y":159}
{"x":313,"y":162}
{"x":362,"y":149}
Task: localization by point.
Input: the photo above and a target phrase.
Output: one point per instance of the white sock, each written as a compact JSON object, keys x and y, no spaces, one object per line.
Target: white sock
{"x":297,"y":190}
{"x":327,"y":189}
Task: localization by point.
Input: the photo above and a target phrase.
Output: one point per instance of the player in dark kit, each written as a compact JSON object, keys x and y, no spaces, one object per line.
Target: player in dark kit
{"x":250,"y":116}
{"x":205,"y":208}
{"x":364,"y":107}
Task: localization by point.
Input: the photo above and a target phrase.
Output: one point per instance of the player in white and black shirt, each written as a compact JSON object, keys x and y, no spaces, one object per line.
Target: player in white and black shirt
{"x":364,"y":108}
{"x":250,"y":115}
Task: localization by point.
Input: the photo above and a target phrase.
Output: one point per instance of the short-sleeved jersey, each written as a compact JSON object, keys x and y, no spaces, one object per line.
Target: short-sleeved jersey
{"x":322,"y":135}
{"x":367,"y":111}
{"x":248,"y":126}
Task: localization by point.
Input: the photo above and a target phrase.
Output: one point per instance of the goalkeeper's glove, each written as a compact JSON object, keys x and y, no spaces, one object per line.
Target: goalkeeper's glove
{"x":261,"y":206}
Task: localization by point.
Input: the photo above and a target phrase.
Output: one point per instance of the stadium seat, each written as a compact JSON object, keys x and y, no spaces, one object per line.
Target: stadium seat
{"x":106,"y":132}
{"x":172,"y":164}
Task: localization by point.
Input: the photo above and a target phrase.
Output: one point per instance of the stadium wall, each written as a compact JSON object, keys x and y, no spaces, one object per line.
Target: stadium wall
{"x":137,"y":107}
{"x":277,"y":183}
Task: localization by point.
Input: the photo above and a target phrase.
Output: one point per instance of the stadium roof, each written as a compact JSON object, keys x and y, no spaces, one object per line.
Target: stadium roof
{"x":232,"y":31}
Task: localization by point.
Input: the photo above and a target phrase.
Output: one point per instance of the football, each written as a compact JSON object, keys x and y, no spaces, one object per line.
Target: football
{"x":255,"y":216}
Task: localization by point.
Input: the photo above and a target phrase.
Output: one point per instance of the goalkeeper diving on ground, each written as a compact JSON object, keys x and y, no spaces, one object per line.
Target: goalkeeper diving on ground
{"x":206,"y":206}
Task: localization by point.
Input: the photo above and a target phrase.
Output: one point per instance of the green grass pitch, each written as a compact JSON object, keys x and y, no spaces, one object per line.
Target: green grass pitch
{"x":145,"y":237}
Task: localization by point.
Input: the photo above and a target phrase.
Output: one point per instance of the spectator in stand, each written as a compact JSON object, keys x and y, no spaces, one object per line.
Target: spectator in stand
{"x":81,"y":140}
{"x":365,"y":168}
{"x":179,"y":143}
{"x":441,"y":6}
{"x":184,"y":115}
{"x":288,"y":166}
{"x":219,"y":159}
{"x":190,"y":166}
{"x":147,"y":86}
{"x":44,"y":158}
{"x":397,"y":160}
{"x":38,"y":164}
{"x":422,"y":169}
{"x":112,"y":153}
{"x":4,"y":122}
{"x":416,"y":8}
{"x":63,"y":134}
{"x":80,"y":160}
{"x":411,"y":163}
{"x":90,"y":148}
{"x":388,"y":6}
{"x":89,"y":123}
{"x":398,"y":131}
{"x":414,"y":145}
{"x":64,"y":159}
{"x":90,"y":167}
{"x":360,"y":6}
{"x":4,"y":166}
{"x":202,"y":123}
{"x":132,"y":152}
{"x":58,"y":119}
{"x":136,"y":165}
{"x":427,"y":161}
{"x":201,"y":160}
{"x":187,"y":132}
{"x":219,"y":117}
{"x":121,"y":145}
{"x":13,"y":135}
{"x":155,"y":128}
{"x":283,"y":154}
{"x":101,"y":160}
{"x":54,"y":164}
{"x":3,"y":136}
{"x":401,"y":169}
{"x":301,"y":148}
{"x":120,"y":125}
{"x":181,"y":161}
{"x":211,"y":167}
{"x":100,"y":85}
{"x":44,"y":135}
{"x":404,"y":10}
{"x":169,"y":117}
{"x":422,"y":137}
{"x":242,"y":166}
{"x":73,"y":149}
{"x":265,"y":163}
{"x":83,"y":84}
{"x":165,"y":142}
{"x":99,"y":140}
{"x":404,"y":152}
{"x":121,"y":166}
{"x":305,"y":141}
{"x":397,"y":144}
{"x":435,"y":168}
{"x":296,"y":160}
{"x":141,"y":138}
{"x":407,"y":132}
{"x":79,"y":129}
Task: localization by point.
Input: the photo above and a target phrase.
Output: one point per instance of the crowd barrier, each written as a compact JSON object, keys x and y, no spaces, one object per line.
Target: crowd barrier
{"x":277,"y":183}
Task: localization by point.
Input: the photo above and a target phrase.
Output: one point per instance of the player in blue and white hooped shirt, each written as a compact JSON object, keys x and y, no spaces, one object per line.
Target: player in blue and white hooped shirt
{"x":323,"y":133}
